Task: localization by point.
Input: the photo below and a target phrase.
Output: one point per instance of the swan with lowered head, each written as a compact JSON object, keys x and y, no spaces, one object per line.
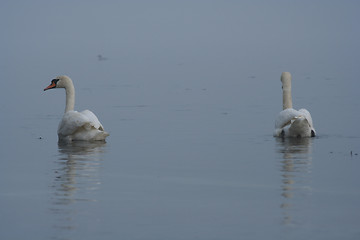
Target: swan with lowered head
{"x":76,"y":126}
{"x":290,"y":122}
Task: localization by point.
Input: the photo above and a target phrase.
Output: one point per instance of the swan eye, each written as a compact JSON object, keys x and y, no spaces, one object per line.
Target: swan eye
{"x":54,"y":82}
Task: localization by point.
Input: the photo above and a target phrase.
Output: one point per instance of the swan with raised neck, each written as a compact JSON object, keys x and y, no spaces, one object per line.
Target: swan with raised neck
{"x":74,"y":125}
{"x":291,"y":122}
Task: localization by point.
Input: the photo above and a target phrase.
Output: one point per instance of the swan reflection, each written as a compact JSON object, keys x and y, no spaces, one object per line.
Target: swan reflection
{"x":295,"y":169}
{"x":76,"y":179}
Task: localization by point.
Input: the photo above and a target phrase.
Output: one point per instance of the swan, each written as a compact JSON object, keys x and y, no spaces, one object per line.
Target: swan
{"x":76,"y":126}
{"x":290,"y":122}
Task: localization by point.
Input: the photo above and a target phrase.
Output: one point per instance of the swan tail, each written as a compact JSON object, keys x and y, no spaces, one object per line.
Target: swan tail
{"x":101,"y":136}
{"x":89,"y":133}
{"x":300,"y":127}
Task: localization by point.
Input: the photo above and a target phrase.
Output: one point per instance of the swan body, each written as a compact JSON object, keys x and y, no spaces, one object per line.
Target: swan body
{"x":76,"y":126}
{"x":291,"y":122}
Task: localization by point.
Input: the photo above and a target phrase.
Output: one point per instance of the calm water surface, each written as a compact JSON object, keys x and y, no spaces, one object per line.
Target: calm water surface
{"x":189,"y":93}
{"x":201,"y":171}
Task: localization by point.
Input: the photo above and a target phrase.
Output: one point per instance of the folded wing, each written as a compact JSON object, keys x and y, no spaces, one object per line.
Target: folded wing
{"x":81,"y":126}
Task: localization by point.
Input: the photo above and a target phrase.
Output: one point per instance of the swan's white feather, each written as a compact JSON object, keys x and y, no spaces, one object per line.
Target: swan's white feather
{"x":93,"y":119}
{"x":293,"y":123}
{"x":70,"y":122}
{"x":307,"y":115}
{"x":75,"y":126}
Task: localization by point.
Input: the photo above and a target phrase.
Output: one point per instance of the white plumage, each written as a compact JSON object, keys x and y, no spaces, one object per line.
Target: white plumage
{"x":290,"y":122}
{"x":76,"y":126}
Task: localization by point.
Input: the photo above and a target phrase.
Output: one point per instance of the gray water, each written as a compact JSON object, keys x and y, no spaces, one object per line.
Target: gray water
{"x":189,"y":92}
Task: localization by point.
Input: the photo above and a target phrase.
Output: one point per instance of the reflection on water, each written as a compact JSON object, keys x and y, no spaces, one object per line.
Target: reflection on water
{"x":76,"y":179}
{"x":295,"y":169}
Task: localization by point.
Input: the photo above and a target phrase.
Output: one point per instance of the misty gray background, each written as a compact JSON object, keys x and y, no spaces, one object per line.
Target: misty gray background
{"x":189,"y":92}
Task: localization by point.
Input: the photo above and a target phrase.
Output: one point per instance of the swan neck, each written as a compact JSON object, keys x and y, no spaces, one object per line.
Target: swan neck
{"x":70,"y":97}
{"x":287,"y":100}
{"x":286,"y":86}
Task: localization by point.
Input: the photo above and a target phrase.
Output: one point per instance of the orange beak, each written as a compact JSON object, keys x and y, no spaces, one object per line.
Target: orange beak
{"x":52,"y":85}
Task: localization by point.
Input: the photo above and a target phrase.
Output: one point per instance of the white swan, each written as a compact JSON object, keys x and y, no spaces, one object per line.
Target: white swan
{"x":290,"y":122}
{"x":76,"y":126}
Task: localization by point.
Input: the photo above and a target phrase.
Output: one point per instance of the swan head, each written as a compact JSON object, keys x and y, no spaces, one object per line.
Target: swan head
{"x":59,"y":82}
